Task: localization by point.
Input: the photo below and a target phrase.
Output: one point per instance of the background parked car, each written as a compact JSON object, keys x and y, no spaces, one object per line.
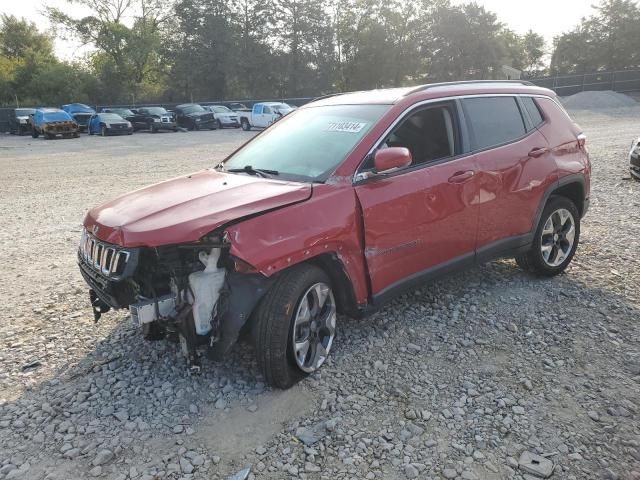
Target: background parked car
{"x":194,"y":117}
{"x":19,"y":120}
{"x":239,"y":107}
{"x":109,"y":124}
{"x":148,"y":118}
{"x":264,"y":114}
{"x":224,"y":116}
{"x":51,"y":122}
{"x":81,"y":113}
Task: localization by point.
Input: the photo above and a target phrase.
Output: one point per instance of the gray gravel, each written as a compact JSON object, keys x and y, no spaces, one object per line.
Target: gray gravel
{"x":473,"y":377}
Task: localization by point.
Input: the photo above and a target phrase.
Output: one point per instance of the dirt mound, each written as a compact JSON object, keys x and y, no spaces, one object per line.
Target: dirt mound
{"x":592,"y":100}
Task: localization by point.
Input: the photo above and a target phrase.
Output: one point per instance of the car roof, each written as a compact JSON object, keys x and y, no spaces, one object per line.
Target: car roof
{"x":187,"y":105}
{"x":392,"y":96}
{"x":50,"y":110}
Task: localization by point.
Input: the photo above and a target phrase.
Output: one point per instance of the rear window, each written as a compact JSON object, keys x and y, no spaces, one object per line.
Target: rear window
{"x":494,"y":120}
{"x":533,"y":110}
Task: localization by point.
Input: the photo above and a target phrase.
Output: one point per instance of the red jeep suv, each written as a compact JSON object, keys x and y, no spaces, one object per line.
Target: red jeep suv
{"x":336,"y":208}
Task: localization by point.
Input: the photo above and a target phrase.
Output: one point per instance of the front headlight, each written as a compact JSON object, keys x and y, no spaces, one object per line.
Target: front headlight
{"x":129,"y":124}
{"x":157,"y":120}
{"x":108,"y":125}
{"x":198,"y":119}
{"x":23,"y":121}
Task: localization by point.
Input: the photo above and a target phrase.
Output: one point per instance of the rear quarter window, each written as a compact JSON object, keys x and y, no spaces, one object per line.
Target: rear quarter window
{"x":494,"y":121}
{"x":533,"y":110}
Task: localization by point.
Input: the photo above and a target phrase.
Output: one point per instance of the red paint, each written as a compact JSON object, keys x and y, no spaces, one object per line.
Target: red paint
{"x":394,"y":157}
{"x":383,"y":230}
{"x":186,"y":208}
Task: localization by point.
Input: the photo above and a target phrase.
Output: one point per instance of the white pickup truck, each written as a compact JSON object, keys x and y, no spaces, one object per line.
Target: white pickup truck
{"x":263,"y":114}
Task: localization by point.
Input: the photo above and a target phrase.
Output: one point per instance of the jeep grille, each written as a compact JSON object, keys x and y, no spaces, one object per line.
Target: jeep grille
{"x":105,"y":258}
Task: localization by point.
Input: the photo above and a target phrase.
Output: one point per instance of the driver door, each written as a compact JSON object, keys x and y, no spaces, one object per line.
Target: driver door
{"x":421,"y":220}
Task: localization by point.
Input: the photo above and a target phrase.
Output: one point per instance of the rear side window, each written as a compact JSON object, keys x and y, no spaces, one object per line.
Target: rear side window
{"x":494,"y":120}
{"x":533,"y":110}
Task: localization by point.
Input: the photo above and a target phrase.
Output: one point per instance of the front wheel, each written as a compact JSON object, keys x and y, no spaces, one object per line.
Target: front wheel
{"x":34,"y":133}
{"x":245,"y":125}
{"x":219,"y":123}
{"x":294,"y":342}
{"x":556,"y":239}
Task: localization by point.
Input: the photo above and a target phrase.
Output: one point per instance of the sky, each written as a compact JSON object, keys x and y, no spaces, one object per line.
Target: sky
{"x":547,"y":17}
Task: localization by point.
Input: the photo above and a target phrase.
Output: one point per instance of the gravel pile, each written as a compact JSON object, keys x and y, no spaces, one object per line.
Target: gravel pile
{"x":598,"y":100}
{"x":492,"y":374}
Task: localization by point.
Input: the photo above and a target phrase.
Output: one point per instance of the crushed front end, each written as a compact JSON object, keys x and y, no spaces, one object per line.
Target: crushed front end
{"x":196,"y":294}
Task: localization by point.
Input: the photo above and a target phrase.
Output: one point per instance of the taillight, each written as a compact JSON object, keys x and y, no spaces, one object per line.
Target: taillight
{"x":582,"y":140}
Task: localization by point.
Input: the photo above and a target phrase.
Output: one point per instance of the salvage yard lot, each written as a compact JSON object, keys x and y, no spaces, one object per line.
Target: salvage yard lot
{"x":456,"y":379}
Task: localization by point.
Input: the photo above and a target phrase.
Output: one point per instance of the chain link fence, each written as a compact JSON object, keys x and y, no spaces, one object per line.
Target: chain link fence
{"x":622,"y":81}
{"x":564,"y":85}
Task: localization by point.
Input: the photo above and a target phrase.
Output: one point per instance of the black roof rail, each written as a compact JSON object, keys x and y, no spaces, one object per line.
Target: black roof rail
{"x":469,"y":82}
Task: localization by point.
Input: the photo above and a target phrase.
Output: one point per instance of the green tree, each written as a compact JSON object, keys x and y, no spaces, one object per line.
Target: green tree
{"x":607,"y":40}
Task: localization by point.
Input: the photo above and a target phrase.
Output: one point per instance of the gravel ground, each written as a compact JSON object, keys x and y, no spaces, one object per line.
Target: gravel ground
{"x":478,"y":376}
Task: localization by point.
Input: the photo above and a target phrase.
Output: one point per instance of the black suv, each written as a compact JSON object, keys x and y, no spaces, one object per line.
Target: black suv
{"x":195,"y":117}
{"x":19,"y":123}
{"x":151,"y":118}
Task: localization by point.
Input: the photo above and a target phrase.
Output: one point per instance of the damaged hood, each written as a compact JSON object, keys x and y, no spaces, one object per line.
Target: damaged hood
{"x":186,"y":208}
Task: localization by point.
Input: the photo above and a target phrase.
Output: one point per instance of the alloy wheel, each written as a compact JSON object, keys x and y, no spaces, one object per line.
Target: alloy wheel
{"x":558,"y":237}
{"x":314,"y":327}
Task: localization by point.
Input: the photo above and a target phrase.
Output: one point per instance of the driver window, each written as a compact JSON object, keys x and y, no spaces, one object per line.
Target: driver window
{"x":428,"y":133}
{"x":266,"y":110}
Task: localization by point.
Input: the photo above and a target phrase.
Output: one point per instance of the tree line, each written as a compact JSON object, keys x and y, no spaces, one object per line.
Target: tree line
{"x":182,"y":50}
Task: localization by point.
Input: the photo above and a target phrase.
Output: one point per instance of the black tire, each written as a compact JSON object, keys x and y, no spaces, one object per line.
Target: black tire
{"x":274,"y":320}
{"x":533,"y":260}
{"x":220,"y":127}
{"x":244,"y":123}
{"x":34,"y":133}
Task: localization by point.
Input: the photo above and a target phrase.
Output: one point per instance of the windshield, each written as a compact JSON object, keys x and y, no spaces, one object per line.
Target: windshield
{"x":192,"y":109}
{"x":25,"y":112}
{"x":110,"y":117}
{"x":310,"y":143}
{"x":56,"y":116}
{"x":156,"y":111}
{"x":220,"y":109}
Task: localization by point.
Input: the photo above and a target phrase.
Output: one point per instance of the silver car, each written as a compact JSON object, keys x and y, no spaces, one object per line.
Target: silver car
{"x":224,"y":116}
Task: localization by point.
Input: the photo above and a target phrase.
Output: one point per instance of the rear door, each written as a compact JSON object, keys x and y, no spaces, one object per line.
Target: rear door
{"x":514,"y":170}
{"x":420,"y":220}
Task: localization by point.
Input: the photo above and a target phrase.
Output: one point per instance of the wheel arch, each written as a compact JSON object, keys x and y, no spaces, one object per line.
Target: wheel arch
{"x":342,"y":286}
{"x":572,"y":187}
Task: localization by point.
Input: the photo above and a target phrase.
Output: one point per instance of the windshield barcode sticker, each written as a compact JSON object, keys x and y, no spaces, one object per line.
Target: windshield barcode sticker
{"x":348,"y":127}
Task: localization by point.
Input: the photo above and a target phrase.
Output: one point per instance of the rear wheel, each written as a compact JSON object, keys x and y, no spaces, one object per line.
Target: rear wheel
{"x":556,"y":239}
{"x":294,"y":342}
{"x":244,"y":123}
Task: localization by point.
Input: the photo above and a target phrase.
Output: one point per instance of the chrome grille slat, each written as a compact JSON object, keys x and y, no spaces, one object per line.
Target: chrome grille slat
{"x":102,"y":257}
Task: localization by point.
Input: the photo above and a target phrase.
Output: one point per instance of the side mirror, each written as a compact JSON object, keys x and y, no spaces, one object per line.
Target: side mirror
{"x":391,"y":158}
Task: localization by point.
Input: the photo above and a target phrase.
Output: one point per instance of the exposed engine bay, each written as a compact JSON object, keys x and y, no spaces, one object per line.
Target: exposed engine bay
{"x":196,"y":294}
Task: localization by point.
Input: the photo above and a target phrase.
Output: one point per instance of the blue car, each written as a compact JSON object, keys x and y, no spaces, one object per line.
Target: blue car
{"x":81,"y":113}
{"x":51,"y":122}
{"x":109,"y":124}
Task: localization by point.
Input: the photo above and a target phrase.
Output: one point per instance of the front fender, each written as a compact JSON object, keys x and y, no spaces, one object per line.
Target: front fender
{"x":329,"y":222}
